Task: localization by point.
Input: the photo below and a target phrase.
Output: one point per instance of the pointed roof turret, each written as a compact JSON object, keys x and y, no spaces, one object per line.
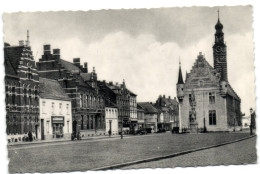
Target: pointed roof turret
{"x":180,"y":79}
{"x":218,"y":26}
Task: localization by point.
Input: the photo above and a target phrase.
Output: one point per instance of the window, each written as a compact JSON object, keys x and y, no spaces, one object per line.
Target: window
{"x":29,"y":73}
{"x":86,"y":103}
{"x":190,"y":98}
{"x":47,"y":126}
{"x":211,"y":98}
{"x":25,"y":97}
{"x":80,"y":100}
{"x":60,"y":107}
{"x":82,"y":122}
{"x":212,"y":117}
{"x":52,"y":107}
{"x":13,"y":95}
{"x":67,"y":108}
{"x":68,"y":126}
{"x":43,"y":106}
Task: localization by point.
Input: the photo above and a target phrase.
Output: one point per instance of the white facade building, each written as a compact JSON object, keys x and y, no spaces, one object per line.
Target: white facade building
{"x":55,"y":111}
{"x":111,"y":116}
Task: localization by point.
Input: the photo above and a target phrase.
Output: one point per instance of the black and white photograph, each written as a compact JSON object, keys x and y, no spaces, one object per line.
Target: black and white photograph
{"x":122,"y":89}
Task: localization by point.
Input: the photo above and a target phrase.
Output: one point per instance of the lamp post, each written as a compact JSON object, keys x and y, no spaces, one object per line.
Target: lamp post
{"x":252,"y":121}
{"x":121,"y":127}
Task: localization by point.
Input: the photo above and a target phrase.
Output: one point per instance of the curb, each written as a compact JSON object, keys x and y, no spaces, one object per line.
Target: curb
{"x":116,"y":166}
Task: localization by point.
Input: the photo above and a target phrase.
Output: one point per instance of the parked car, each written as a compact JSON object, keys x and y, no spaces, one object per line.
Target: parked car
{"x":161,"y":130}
{"x":175,"y":130}
{"x":149,"y":130}
{"x":141,"y":132}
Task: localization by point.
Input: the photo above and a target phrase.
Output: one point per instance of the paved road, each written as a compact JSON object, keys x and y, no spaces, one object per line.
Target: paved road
{"x":87,"y":155}
{"x":243,"y":152}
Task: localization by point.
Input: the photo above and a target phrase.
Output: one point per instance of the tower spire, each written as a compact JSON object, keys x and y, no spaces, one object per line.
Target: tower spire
{"x":180,"y":79}
{"x":218,"y":13}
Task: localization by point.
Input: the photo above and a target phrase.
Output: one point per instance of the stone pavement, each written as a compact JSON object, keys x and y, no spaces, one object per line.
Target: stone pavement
{"x":239,"y":153}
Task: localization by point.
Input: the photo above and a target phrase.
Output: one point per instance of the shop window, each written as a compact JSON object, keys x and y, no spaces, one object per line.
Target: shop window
{"x":211,"y":98}
{"x":212,"y":117}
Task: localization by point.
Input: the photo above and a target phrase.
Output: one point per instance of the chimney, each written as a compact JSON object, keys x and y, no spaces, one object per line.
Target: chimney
{"x":111,"y":83}
{"x":21,"y":43}
{"x":85,"y":69}
{"x":174,"y":98}
{"x":169,"y":97}
{"x":76,"y":61}
{"x":27,"y":41}
{"x":56,"y":53}
{"x":163,"y":96}
{"x":46,"y":49}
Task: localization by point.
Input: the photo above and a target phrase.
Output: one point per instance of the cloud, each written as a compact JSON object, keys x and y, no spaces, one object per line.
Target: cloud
{"x":150,"y":67}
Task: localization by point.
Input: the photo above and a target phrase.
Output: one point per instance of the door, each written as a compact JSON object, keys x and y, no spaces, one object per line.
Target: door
{"x":36,"y":131}
{"x":74,"y":128}
{"x":42,"y":129}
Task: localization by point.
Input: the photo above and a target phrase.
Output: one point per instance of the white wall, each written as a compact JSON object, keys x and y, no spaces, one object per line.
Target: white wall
{"x":111,"y":114}
{"x":47,"y":111}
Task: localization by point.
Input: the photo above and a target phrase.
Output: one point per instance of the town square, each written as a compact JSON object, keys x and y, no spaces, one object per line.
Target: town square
{"x":129,"y":88}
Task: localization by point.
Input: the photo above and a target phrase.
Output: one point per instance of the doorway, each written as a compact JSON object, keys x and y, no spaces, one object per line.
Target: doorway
{"x":42,"y":129}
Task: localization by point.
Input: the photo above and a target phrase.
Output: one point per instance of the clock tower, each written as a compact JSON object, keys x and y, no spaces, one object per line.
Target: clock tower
{"x":220,"y":52}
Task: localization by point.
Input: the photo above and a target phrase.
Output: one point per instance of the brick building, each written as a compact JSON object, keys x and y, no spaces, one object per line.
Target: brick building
{"x":125,"y":101}
{"x":81,"y":86}
{"x":217,"y":106}
{"x":168,"y":110}
{"x":21,"y":88}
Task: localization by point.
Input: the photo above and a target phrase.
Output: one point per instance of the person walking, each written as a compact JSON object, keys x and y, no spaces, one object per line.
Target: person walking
{"x":30,"y":136}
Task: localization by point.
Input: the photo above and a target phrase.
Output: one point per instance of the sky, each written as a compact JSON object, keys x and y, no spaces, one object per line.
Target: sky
{"x":144,"y":46}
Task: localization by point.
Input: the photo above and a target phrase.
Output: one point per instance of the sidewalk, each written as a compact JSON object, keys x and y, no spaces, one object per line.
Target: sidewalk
{"x":63,"y":140}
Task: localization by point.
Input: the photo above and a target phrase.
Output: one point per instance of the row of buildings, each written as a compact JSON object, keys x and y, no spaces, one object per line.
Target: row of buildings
{"x":53,"y":98}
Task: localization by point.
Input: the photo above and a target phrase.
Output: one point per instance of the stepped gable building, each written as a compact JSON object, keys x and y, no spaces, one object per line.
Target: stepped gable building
{"x":55,"y":111}
{"x":81,"y":86}
{"x":125,"y":101}
{"x":206,"y":97}
{"x":21,"y":88}
{"x":168,"y":111}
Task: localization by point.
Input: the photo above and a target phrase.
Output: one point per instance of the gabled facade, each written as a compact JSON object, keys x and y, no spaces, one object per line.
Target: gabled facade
{"x":168,"y":110}
{"x":81,"y":86}
{"x":22,"y":91}
{"x":217,"y":106}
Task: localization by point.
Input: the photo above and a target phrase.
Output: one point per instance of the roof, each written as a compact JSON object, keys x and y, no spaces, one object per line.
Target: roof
{"x":148,"y":107}
{"x":51,"y":89}
{"x":86,"y":76}
{"x":12,"y":55}
{"x":180,"y":79}
{"x":231,"y":92}
{"x":69,"y":66}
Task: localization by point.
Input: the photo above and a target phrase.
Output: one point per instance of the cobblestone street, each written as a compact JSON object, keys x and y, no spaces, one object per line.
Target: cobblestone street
{"x":87,"y":155}
{"x":243,"y":152}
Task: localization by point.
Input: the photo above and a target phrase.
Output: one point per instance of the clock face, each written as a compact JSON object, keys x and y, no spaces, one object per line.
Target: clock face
{"x":218,"y":49}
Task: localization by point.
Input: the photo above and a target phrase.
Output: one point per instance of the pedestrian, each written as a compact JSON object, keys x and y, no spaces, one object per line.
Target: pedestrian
{"x":30,"y":136}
